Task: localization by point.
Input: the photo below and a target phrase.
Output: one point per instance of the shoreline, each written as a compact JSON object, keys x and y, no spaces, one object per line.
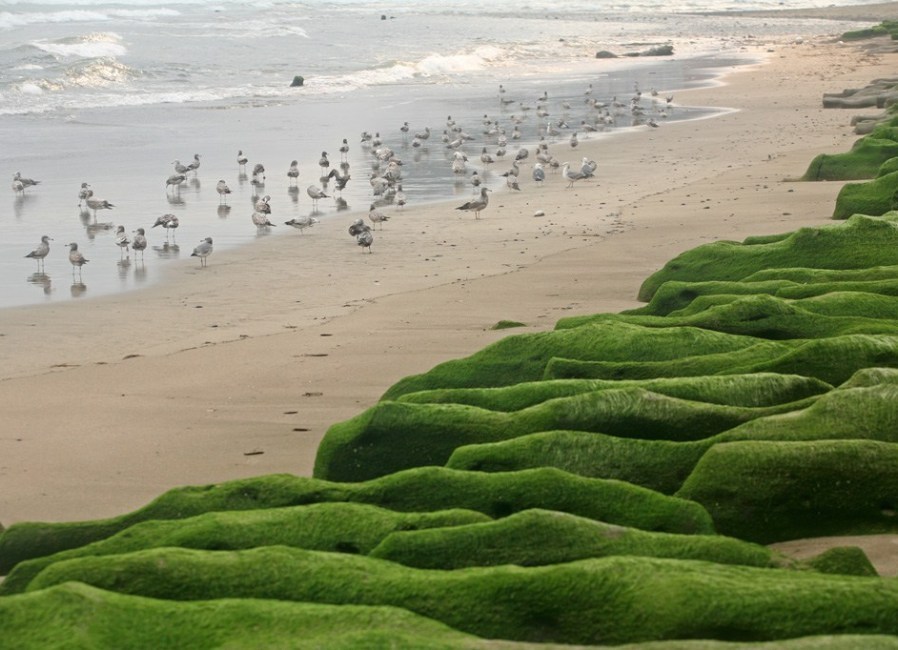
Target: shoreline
{"x":238,"y":369}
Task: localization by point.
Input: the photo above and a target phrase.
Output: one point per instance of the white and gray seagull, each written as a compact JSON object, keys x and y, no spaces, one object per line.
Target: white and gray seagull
{"x":203,"y":251}
{"x":42,"y":250}
{"x":478,"y":204}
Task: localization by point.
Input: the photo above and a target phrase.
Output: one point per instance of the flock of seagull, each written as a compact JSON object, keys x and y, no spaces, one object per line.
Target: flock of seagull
{"x":386,"y":176}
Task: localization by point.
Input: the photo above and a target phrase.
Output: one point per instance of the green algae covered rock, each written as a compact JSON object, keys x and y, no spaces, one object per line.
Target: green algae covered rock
{"x":770,"y":317}
{"x":419,"y":490}
{"x":523,"y":357}
{"x":874,"y":197}
{"x":863,"y":161}
{"x":857,"y":243}
{"x":804,"y":275}
{"x":78,"y":617}
{"x":660,"y":465}
{"x":750,"y":390}
{"x":843,"y":560}
{"x":338,"y":527}
{"x":673,"y":296}
{"x":392,"y":436}
{"x":610,"y":600}
{"x":831,"y":360}
{"x":768,"y":492}
{"x":541,"y":537}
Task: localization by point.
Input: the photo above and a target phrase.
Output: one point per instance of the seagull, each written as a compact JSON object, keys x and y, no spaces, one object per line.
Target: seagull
{"x":19,"y":184}
{"x":262,"y":205}
{"x":192,"y":167}
{"x":485,"y":158}
{"x":241,"y":159}
{"x":179,"y":168}
{"x":98,"y":204}
{"x":76,"y":258}
{"x":175,"y":181}
{"x":315,"y":193}
{"x":223,"y":191}
{"x":521,"y":154}
{"x":324,"y":163}
{"x":574,"y":141}
{"x":259,"y":174}
{"x":169,"y":222}
{"x":341,"y":179}
{"x":84,"y":194}
{"x":301,"y":223}
{"x":365,"y":239}
{"x":478,"y":204}
{"x":139,"y":242}
{"x":357,"y":227}
{"x":376,"y":216}
{"x":512,"y":182}
{"x":539,"y":174}
{"x":203,"y":251}
{"x":399,"y":199}
{"x":121,"y":240}
{"x":344,"y":150}
{"x":261,"y":219}
{"x":41,"y":251}
{"x":423,"y":135}
{"x":570,"y":176}
{"x":588,"y":167}
{"x":458,"y":163}
{"x":293,"y":172}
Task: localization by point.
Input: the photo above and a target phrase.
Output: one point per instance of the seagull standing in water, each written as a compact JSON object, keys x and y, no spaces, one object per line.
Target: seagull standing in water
{"x":223,"y":191}
{"x":84,"y":194}
{"x":98,"y":204}
{"x":261,"y":219}
{"x":42,"y":250}
{"x":242,"y":160}
{"x":169,"y":222}
{"x":293,"y":172}
{"x":76,"y":258}
{"x":478,"y":204}
{"x":315,"y":193}
{"x":203,"y":251}
{"x":139,"y":242}
{"x":121,"y":240}
{"x":259,"y":174}
{"x":195,"y":165}
{"x":175,"y":181}
{"x":20,"y":183}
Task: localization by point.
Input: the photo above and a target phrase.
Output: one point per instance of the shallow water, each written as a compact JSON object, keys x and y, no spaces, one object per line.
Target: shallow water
{"x":113,"y":94}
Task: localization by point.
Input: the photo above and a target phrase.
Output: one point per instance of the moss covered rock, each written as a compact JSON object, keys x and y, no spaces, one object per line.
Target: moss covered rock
{"x":776,"y":491}
{"x":857,"y":243}
{"x":874,"y":197}
{"x":419,"y":490}
{"x":610,"y":600}
{"x":863,"y":161}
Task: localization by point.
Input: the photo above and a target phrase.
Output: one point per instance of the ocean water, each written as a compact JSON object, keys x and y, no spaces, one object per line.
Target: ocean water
{"x":113,"y":93}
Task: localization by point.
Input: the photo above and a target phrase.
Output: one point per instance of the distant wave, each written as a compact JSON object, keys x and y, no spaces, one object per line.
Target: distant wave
{"x":91,"y":46}
{"x":10,"y":20}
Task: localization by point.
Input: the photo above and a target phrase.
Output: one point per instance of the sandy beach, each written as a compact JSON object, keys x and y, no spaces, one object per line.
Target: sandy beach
{"x":239,"y":369}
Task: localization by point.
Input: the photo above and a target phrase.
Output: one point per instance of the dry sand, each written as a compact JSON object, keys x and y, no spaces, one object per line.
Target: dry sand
{"x":238,"y":369}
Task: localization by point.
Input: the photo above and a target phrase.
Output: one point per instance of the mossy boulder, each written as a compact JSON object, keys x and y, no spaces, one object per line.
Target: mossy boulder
{"x":749,"y":390}
{"x":419,"y":490}
{"x":523,"y":357}
{"x":610,"y":600}
{"x":769,"y":317}
{"x":541,"y":537}
{"x":874,"y":197}
{"x":79,"y":617}
{"x":769,"y":492}
{"x":392,"y":436}
{"x":843,"y":560}
{"x":337,"y":527}
{"x":863,"y":161}
{"x":831,"y":360}
{"x":857,"y":243}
